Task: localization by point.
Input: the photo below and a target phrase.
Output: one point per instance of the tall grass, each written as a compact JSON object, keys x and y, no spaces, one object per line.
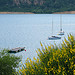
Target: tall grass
{"x":52,"y":60}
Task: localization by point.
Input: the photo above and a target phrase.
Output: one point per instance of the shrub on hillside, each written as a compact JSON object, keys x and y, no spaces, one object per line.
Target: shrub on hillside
{"x":52,"y":60}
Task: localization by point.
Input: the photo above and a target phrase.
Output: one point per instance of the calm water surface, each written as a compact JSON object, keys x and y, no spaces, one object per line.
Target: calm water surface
{"x":28,"y":30}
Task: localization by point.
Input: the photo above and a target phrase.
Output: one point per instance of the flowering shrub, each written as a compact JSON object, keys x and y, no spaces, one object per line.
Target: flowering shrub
{"x":52,"y":60}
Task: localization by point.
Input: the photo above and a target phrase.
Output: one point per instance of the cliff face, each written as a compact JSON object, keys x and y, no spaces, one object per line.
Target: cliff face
{"x":35,"y":2}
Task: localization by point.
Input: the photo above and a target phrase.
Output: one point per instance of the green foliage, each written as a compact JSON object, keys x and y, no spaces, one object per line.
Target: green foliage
{"x":35,"y":6}
{"x":52,"y":60}
{"x":8,"y":63}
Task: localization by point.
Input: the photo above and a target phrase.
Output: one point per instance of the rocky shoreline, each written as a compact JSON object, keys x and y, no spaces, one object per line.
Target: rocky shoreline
{"x":16,"y":13}
{"x":65,"y":12}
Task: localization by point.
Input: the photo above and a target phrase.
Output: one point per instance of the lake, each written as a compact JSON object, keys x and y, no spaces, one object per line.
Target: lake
{"x":28,"y":30}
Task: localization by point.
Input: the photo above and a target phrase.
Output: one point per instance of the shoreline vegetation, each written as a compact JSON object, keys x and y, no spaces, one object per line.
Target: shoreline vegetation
{"x":65,"y":12}
{"x":37,"y":6}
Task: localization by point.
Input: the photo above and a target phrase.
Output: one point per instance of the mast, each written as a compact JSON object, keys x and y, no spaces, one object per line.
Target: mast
{"x":52,"y":25}
{"x":60,"y":22}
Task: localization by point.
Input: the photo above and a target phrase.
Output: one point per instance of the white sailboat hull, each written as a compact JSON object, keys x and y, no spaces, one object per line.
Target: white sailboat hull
{"x":61,"y":33}
{"x":54,"y":38}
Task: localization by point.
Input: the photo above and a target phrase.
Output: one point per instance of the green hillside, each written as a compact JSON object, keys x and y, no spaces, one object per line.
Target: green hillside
{"x":37,"y":6}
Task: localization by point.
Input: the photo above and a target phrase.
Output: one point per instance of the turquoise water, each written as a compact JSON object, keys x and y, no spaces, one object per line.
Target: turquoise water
{"x":28,"y":30}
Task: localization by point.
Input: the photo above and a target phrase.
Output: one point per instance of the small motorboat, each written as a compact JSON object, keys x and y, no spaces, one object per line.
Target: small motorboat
{"x":15,"y":50}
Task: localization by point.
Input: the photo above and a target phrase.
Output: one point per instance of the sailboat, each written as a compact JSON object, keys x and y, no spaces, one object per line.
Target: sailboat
{"x":61,"y":32}
{"x":53,"y":37}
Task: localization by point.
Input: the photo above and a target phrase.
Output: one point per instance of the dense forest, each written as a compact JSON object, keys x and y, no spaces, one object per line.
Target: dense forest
{"x":37,"y":6}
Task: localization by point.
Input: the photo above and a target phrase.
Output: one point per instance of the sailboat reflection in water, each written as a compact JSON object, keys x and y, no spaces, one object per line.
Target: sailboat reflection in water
{"x":53,"y":37}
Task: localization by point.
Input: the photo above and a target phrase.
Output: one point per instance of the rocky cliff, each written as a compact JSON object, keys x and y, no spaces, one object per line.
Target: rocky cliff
{"x":35,"y":2}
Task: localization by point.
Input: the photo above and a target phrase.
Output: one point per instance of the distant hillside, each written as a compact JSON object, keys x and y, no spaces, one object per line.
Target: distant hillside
{"x":37,"y":6}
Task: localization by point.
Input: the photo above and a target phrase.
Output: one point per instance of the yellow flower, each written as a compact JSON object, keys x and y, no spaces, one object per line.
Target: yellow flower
{"x":66,"y":61}
{"x":74,"y":46}
{"x":39,"y":50}
{"x":63,"y":68}
{"x":59,"y":70}
{"x":45,"y":69}
{"x":51,"y":68}
{"x":41,"y":44}
{"x":19,"y":70}
{"x":59,"y":67}
{"x":43,"y":50}
{"x":73,"y":50}
{"x":46,"y":74}
{"x":37,"y":60}
{"x":54,"y":72}
{"x":63,"y":73}
{"x":69,"y":59}
{"x":74,"y":65}
{"x":48,"y":63}
{"x":68,"y":70}
{"x":45,"y":47}
{"x":21,"y":62}
{"x":34,"y":58}
{"x":27,"y":58}
{"x":57,"y":60}
{"x":32,"y":70}
{"x":74,"y":72}
{"x":49,"y":47}
{"x":64,"y":54}
{"x":23,"y":72}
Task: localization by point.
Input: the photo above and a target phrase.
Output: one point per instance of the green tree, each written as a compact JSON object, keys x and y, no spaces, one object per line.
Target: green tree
{"x":8,"y":63}
{"x":47,"y":6}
